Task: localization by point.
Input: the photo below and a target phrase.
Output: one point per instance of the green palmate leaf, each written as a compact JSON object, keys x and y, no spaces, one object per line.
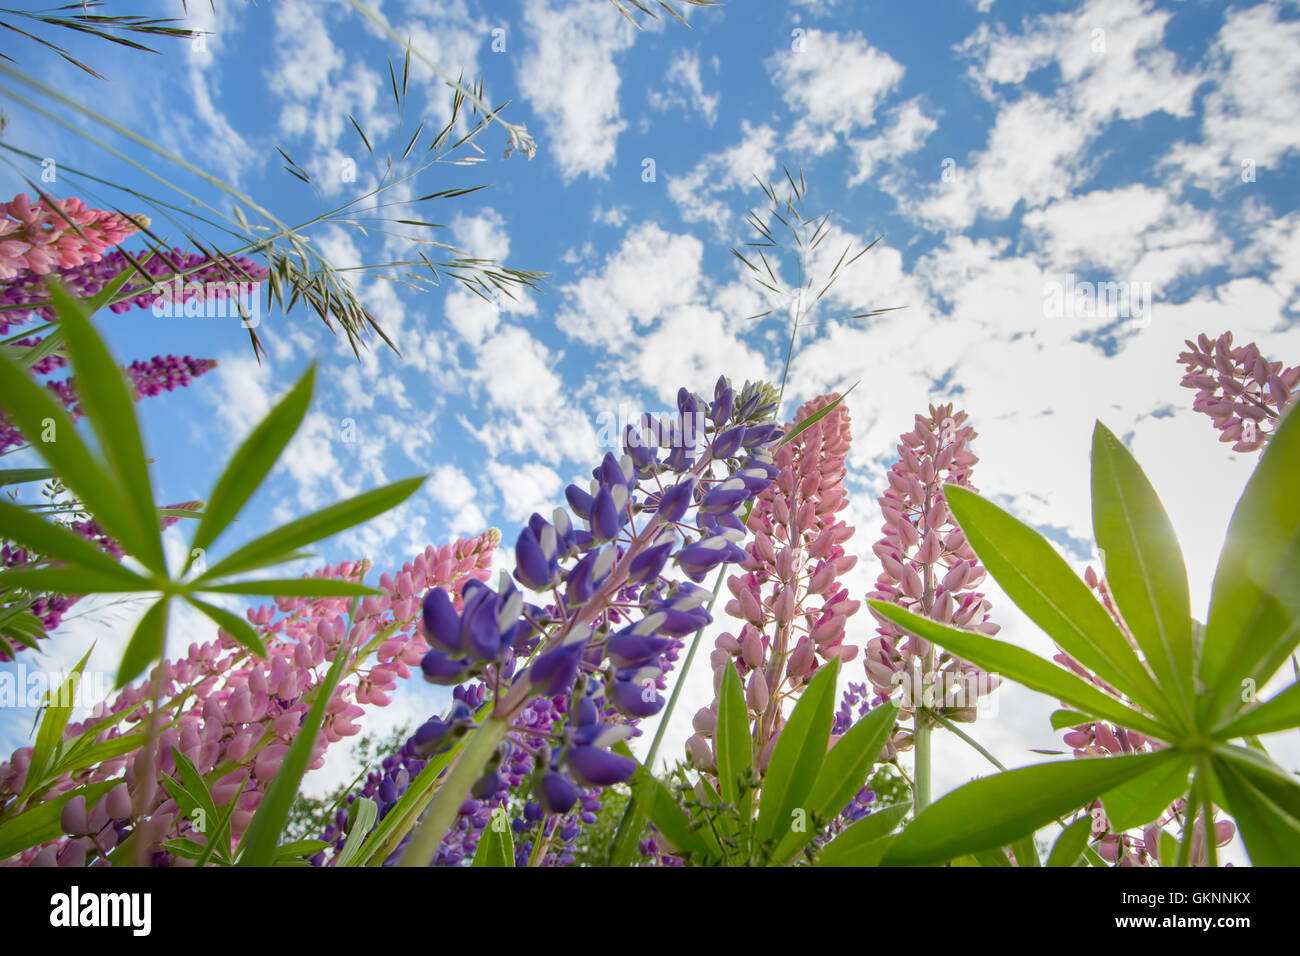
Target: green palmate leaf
{"x":1042,"y":585}
{"x":496,"y":847}
{"x":40,"y":823}
{"x":865,"y":842}
{"x":258,"y":846}
{"x":1264,"y":775}
{"x":146,"y":644}
{"x":843,"y":773}
{"x":997,"y":810}
{"x":1139,"y":801}
{"x":293,"y":587}
{"x":106,"y":399}
{"x":407,"y":809}
{"x":94,"y":754}
{"x":735,"y":754}
{"x":1069,"y":847}
{"x":54,"y":437}
{"x":1271,"y":834}
{"x":234,"y":625}
{"x":1144,"y":565}
{"x":290,"y":854}
{"x":1282,"y":712}
{"x":74,"y":580}
{"x":1254,"y":620}
{"x":798,"y":757}
{"x":1018,"y":664}
{"x":364,"y":812}
{"x":321,"y":524}
{"x":993,"y":859}
{"x":49,"y":735}
{"x":814,"y":418}
{"x":54,"y":542}
{"x":253,"y":461}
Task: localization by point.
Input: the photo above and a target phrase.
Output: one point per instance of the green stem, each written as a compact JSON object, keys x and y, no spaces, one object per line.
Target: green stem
{"x":979,"y":748}
{"x":1189,"y":823}
{"x":467,"y":769}
{"x":921,"y":753}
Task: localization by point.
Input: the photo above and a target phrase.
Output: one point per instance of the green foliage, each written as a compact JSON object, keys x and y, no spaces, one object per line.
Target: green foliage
{"x":1196,"y":696}
{"x":113,"y":481}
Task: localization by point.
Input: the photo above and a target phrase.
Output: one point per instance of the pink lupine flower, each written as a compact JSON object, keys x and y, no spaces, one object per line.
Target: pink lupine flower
{"x":1243,"y":394}
{"x":40,"y":237}
{"x":928,"y":567}
{"x":235,"y":715}
{"x":794,"y":610}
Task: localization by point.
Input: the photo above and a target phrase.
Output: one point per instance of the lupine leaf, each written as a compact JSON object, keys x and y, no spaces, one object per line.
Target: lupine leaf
{"x":1144,"y":565}
{"x":40,"y":823}
{"x":1271,"y":834}
{"x":293,"y":587}
{"x":1070,"y":845}
{"x":1068,"y":718}
{"x":1254,"y":620}
{"x":735,"y":754}
{"x":18,"y":476}
{"x":497,"y":846}
{"x":843,"y":773}
{"x":313,"y":527}
{"x":364,"y":813}
{"x":257,"y":848}
{"x":103,"y":394}
{"x":234,"y":625}
{"x":997,"y":810}
{"x":49,"y":736}
{"x":146,"y":644}
{"x":1143,"y":799}
{"x":30,"y":406}
{"x":1024,"y":667}
{"x":67,"y":579}
{"x":864,"y":842}
{"x":57,"y":543}
{"x":798,"y":755}
{"x":1042,"y":585}
{"x":1281,"y":712}
{"x":253,"y":460}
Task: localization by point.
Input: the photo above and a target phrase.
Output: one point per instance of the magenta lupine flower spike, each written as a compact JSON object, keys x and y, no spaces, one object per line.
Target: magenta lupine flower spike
{"x":204,"y":277}
{"x":158,"y":374}
{"x":57,"y":234}
{"x":788,"y":596}
{"x":240,"y":712}
{"x":928,"y":567}
{"x":1243,"y":394}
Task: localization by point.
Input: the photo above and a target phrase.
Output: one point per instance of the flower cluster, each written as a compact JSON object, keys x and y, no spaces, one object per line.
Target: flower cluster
{"x":570,"y":677}
{"x":928,"y":567}
{"x":788,"y":596}
{"x":1243,"y":393}
{"x":234,"y":715}
{"x":54,"y":234}
{"x":158,"y":374}
{"x":205,"y":278}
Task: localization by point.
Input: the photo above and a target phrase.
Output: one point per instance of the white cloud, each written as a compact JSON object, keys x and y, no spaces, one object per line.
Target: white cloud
{"x":569,"y":76}
{"x":525,"y":488}
{"x":685,"y":88}
{"x":451,"y":488}
{"x":1249,"y":117}
{"x":834,"y":83}
{"x":906,"y":134}
{"x":732,"y":168}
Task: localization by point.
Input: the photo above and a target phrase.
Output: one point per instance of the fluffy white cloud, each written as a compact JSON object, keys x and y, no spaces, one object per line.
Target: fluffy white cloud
{"x":735,"y":167}
{"x":569,"y":76}
{"x":685,"y":88}
{"x":451,"y":488}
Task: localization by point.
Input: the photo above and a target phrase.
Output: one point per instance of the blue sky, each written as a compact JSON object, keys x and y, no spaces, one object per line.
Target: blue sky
{"x":999,"y":148}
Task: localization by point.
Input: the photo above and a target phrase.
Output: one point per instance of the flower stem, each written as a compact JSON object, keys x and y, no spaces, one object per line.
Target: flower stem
{"x":455,"y":788}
